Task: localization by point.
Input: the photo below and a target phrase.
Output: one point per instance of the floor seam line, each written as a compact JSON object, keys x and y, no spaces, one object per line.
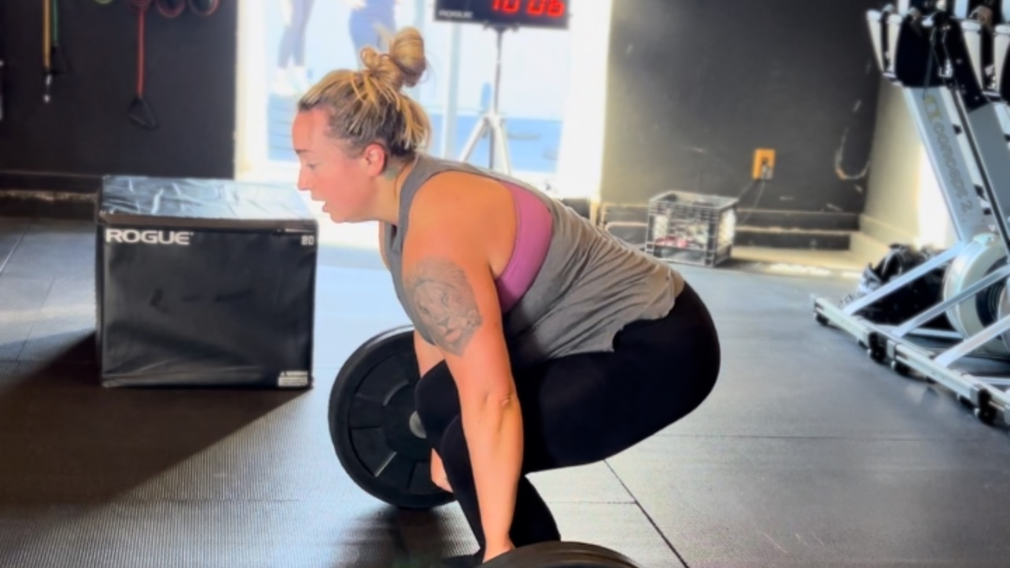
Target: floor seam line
{"x":10,"y":255}
{"x":35,"y":321}
{"x":839,"y":438}
{"x":648,"y":517}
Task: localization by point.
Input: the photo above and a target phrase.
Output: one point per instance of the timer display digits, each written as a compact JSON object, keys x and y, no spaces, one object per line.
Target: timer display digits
{"x":550,"y":8}
{"x":521,"y":13}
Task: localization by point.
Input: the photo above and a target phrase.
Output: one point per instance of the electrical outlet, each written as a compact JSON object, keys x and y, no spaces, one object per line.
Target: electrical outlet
{"x":764,"y":164}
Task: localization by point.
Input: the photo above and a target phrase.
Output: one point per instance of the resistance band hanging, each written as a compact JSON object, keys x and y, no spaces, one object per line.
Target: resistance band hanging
{"x":140,"y":112}
{"x":54,"y":59}
{"x":58,"y":57}
{"x":47,"y":29}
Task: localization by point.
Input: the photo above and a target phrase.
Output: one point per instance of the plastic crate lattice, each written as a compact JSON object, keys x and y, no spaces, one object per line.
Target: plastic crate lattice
{"x":691,"y":228}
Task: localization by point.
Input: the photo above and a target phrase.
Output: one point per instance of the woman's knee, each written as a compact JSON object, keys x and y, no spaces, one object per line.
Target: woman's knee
{"x":453,"y":450}
{"x":436,"y":402}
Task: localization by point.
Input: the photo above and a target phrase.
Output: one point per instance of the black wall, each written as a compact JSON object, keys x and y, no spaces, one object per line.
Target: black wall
{"x":190,"y":85}
{"x":695,"y":86}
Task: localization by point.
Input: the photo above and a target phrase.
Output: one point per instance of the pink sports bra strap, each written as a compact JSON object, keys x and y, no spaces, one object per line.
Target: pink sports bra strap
{"x":534,"y":228}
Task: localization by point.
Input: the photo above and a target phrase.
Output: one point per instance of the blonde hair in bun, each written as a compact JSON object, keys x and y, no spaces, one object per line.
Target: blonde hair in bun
{"x":368,"y":106}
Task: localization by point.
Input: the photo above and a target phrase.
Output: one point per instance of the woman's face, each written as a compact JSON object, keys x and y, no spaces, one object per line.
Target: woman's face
{"x":344,"y":183}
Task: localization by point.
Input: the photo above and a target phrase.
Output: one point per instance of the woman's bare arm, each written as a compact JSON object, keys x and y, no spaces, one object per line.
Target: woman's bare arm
{"x":450,"y":284}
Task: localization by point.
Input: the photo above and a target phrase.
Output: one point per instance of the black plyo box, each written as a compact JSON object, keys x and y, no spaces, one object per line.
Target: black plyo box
{"x":204,"y":282}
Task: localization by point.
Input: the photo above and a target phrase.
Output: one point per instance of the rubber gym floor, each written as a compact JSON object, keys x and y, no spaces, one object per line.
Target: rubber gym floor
{"x":806,"y":454}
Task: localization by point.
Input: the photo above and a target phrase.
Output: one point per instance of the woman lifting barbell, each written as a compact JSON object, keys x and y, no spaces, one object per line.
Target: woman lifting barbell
{"x":543,"y":342}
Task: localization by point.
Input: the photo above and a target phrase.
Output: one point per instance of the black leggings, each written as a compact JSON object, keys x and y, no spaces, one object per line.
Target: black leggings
{"x":583,"y":408}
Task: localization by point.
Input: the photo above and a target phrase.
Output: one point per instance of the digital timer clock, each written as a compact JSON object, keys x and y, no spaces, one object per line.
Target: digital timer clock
{"x":511,"y":13}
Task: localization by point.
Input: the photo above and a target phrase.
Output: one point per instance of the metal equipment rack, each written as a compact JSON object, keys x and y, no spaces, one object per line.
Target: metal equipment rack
{"x":928,"y":48}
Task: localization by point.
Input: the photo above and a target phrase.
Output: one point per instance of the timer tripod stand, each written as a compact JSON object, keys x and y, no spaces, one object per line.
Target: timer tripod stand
{"x":491,"y":122}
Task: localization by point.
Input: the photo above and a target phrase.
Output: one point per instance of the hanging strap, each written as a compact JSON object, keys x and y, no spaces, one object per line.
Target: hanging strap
{"x":58,"y":62}
{"x":141,"y":48}
{"x":140,"y":112}
{"x":55,"y":23}
{"x":47,"y":70}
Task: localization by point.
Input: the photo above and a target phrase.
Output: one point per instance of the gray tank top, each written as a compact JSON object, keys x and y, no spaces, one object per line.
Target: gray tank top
{"x":589,"y":287}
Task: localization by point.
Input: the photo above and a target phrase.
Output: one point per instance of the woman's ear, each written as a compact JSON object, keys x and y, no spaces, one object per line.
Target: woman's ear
{"x":375,"y":158}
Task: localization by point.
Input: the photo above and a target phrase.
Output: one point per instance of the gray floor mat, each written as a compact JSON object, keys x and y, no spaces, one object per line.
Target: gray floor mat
{"x":806,"y":454}
{"x":770,"y":502}
{"x":66,"y":318}
{"x":11,"y":233}
{"x":21,"y":300}
{"x":55,"y":249}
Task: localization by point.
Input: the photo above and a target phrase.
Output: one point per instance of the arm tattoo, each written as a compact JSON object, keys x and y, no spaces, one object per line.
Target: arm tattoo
{"x":445,"y":303}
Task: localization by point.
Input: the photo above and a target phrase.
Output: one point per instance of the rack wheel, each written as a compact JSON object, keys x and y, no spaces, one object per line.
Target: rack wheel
{"x":876,"y":353}
{"x":986,"y":415}
{"x":900,"y":368}
{"x":819,"y":318}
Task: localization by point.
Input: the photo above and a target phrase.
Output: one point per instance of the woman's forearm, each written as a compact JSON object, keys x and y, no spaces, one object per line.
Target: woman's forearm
{"x":494,"y":436}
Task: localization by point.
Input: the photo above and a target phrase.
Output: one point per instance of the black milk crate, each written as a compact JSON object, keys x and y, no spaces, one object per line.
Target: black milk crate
{"x":690,"y":228}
